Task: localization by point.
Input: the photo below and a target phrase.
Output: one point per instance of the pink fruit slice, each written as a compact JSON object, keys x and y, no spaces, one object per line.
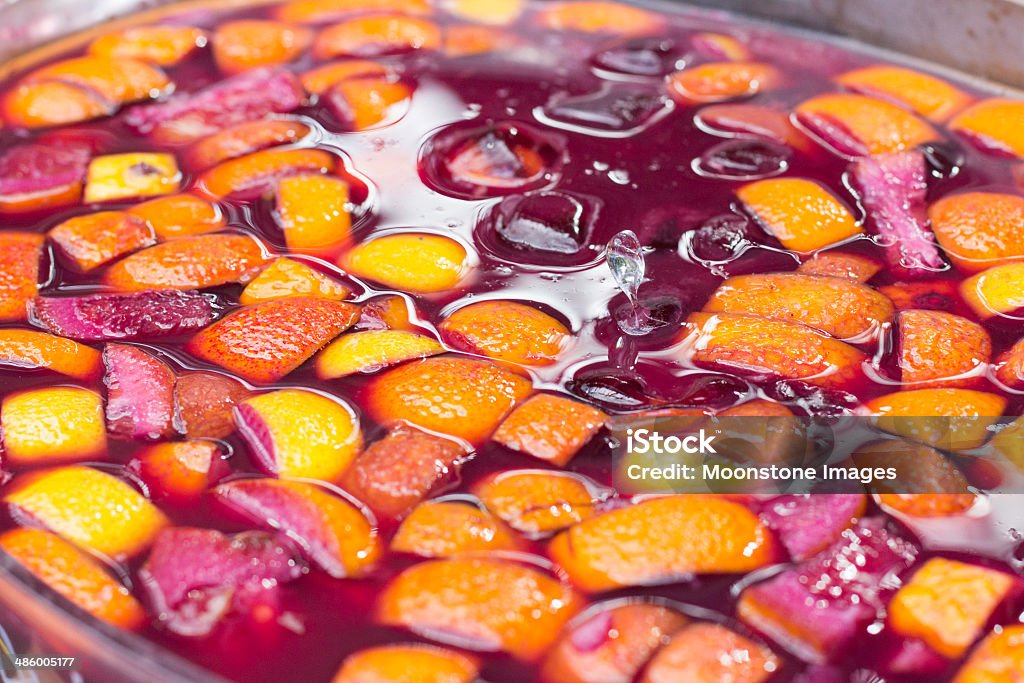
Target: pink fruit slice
{"x":246,"y":97}
{"x":807,"y":524}
{"x":264,"y":342}
{"x":23,"y":349}
{"x":892,"y":188}
{"x":36,"y":176}
{"x":299,"y":433}
{"x":140,"y":393}
{"x":141,"y":315}
{"x":196,"y":577}
{"x":334,"y":534}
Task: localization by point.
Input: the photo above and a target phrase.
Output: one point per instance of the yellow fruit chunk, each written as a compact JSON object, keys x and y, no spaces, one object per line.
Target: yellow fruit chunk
{"x":372,"y":350}
{"x":125,"y":176}
{"x":298,"y":433}
{"x":90,"y":508}
{"x":931,"y":97}
{"x":998,"y":659}
{"x":411,"y":262}
{"x":995,"y":125}
{"x":947,"y":604}
{"x":52,"y":425}
{"x":802,"y":214}
{"x":287,"y":278}
{"x":945,"y":418}
{"x":162,"y":45}
{"x":412,"y":663}
{"x":864,"y":124}
{"x":447,"y":528}
{"x":487,"y":11}
{"x":998,"y":291}
{"x":314,"y":211}
{"x":31,"y":349}
{"x":508,"y":331}
{"x":74,"y":574}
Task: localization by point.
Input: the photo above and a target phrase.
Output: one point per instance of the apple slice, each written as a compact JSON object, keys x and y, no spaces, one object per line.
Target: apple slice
{"x":244,"y":44}
{"x":20,"y":254}
{"x":52,"y":103}
{"x":92,"y":509}
{"x":139,"y":315}
{"x":75,"y":575}
{"x":334,"y":534}
{"x":376,"y":34}
{"x":298,"y":433}
{"x":252,"y":175}
{"x":285,"y":278}
{"x":92,"y":240}
{"x":847,"y":265}
{"x":411,"y":262}
{"x":388,"y":312}
{"x":118,"y":81}
{"x":663,"y":540}
{"x":956,"y":419}
{"x":160,"y":45}
{"x":40,"y":176}
{"x":978,"y":230}
{"x":53,"y":425}
{"x":480,"y":603}
{"x":508,"y":331}
{"x":720,"y":81}
{"x":140,"y":393}
{"x":266,"y":341}
{"x":179,"y":471}
{"x":195,"y":262}
{"x":992,"y":125}
{"x":320,"y":79}
{"x":928,"y":96}
{"x":806,"y":524}
{"x":711,"y":653}
{"x":180,"y":215}
{"x":929,"y":484}
{"x":242,"y":139}
{"x":407,"y":663}
{"x":939,"y":349}
{"x":367,"y":101}
{"x":441,"y":528}
{"x":800,"y":213}
{"x":372,"y":350}
{"x":204,"y":404}
{"x":856,"y":125}
{"x":30,"y":349}
{"x":538,"y":503}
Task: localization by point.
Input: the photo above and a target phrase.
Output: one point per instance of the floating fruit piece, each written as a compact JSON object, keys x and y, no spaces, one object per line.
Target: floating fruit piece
{"x":753,"y":121}
{"x":485,"y":604}
{"x":140,"y":393}
{"x":411,"y":663}
{"x":819,"y":608}
{"x":507,"y":331}
{"x":936,"y":348}
{"x":842,"y":308}
{"x":319,"y":80}
{"x":978,"y":230}
{"x":947,"y":604}
{"x":125,"y":176}
{"x":928,"y":96}
{"x":195,"y":262}
{"x":465,"y":40}
{"x":717,"y":81}
{"x":945,"y":418}
{"x":53,"y":425}
{"x":242,"y":139}
{"x":538,"y":502}
{"x":663,"y":540}
{"x":180,"y":215}
{"x":314,"y":212}
{"x":927,"y":483}
{"x":806,"y":524}
{"x":998,"y":658}
{"x":365,"y":102}
{"x":37,"y":176}
{"x":95,"y":239}
{"x":29,"y":349}
{"x":266,"y":341}
{"x":710,"y":653}
{"x":372,"y":350}
{"x":298,"y":433}
{"x":118,"y":81}
{"x":841,"y":264}
{"x":447,"y":528}
{"x":857,"y":126}
{"x":893,"y":191}
{"x":397,"y":472}
{"x":1009,"y":367}
{"x":52,"y":103}
{"x":802,"y":214}
{"x":256,"y":173}
{"x":161,"y":45}
{"x":551,"y":428}
{"x":140,"y":315}
{"x":598,"y":16}
{"x":487,"y":11}
{"x":245,"y":44}
{"x":204,"y":404}
{"x":318,"y":11}
{"x":993,"y":125}
{"x":74,"y":575}
{"x":179,"y":471}
{"x":287,"y":278}
{"x":249,"y":96}
{"x":612,"y":644}
{"x":376,"y":34}
{"x":995,"y":292}
{"x":20,"y":253}
{"x":412,"y":262}
{"x":460,"y":397}
{"x":335,"y":535}
{"x":388,"y":312}
{"x":194,"y":578}
{"x":933,"y":295}
{"x":720,"y":46}
{"x":92,"y":509}
{"x":788,"y":350}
